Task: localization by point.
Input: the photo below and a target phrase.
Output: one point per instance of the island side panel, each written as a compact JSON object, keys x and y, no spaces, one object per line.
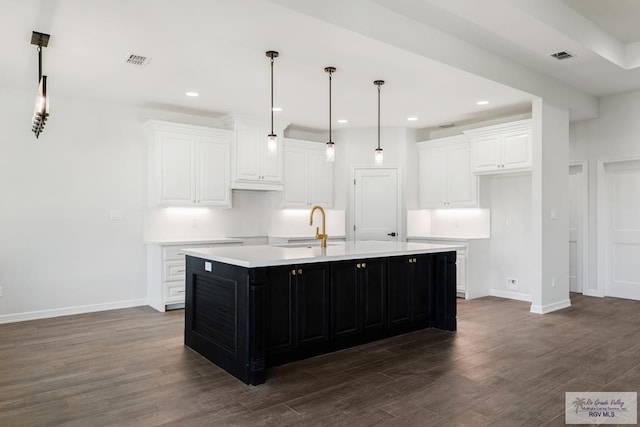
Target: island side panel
{"x":217,"y":317}
{"x":444,"y":314}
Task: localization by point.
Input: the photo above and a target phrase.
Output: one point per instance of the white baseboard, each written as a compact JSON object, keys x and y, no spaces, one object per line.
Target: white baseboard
{"x":67,"y":311}
{"x":544,"y":309}
{"x":510,"y":295}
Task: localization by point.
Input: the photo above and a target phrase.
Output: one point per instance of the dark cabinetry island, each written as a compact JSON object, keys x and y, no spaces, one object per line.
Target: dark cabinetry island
{"x":251,"y":308}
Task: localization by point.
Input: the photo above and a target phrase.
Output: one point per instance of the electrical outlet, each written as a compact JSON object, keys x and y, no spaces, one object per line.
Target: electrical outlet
{"x":512,"y":283}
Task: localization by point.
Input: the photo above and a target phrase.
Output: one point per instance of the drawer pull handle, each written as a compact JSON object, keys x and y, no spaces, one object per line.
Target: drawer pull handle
{"x":180,"y":253}
{"x":181,"y":271}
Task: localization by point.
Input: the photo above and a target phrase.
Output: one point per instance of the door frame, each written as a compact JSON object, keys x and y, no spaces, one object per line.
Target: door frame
{"x":601,"y":223}
{"x":351,"y":218}
{"x":584,"y":232}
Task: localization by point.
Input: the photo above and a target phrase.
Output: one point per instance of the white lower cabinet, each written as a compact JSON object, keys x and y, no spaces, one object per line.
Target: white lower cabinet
{"x":166,"y":273}
{"x":472,"y":264}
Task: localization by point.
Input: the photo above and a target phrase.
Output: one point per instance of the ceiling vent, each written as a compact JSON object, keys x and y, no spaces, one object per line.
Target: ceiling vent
{"x":562,"y":55}
{"x":446,"y":126}
{"x":137,"y":60}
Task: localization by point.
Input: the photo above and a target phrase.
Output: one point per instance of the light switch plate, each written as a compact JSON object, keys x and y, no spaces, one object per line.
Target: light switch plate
{"x":117,"y":215}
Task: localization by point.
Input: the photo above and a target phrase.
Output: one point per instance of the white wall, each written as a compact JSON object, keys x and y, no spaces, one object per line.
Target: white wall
{"x":510,"y":245}
{"x":615,"y":135}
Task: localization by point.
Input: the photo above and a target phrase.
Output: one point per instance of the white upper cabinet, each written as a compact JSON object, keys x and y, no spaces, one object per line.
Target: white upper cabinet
{"x":445,"y":174}
{"x":253,"y":167}
{"x":308,"y":177}
{"x":188,"y":165}
{"x":501,"y":148}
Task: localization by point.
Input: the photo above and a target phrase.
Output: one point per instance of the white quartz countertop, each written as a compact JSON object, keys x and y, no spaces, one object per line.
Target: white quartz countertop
{"x":193,"y":241}
{"x":273,"y":255}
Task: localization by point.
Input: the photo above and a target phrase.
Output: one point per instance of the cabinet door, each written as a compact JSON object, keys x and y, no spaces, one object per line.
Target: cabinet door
{"x":345,"y":299}
{"x":279,"y":309}
{"x":312,"y":287}
{"x":374,"y":295}
{"x":399,"y":291}
{"x":516,"y":149}
{"x":433,"y":178}
{"x":271,"y":164}
{"x":461,"y":183}
{"x":248,"y":154}
{"x":212,"y":179}
{"x":176,"y":169}
{"x":421,"y":272}
{"x":295,"y":179}
{"x":486,"y":153}
{"x":320,"y":179}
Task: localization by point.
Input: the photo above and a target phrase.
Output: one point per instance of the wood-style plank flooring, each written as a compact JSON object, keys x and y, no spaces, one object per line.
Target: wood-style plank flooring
{"x":504,"y":367}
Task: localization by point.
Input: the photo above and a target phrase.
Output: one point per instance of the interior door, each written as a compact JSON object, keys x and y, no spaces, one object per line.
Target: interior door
{"x":622,"y":242}
{"x":376,"y":204}
{"x":575,"y":228}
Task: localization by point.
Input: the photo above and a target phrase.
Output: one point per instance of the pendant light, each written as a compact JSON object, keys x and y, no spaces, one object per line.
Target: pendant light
{"x":331,"y":147}
{"x":41,"y":110}
{"x":378,"y":157}
{"x":272,"y":138}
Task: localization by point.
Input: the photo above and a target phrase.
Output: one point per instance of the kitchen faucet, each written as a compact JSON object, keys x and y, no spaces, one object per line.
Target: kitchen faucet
{"x":322,"y":236}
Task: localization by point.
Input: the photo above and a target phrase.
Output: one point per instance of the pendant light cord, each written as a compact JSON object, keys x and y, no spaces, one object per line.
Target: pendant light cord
{"x":330,"y":73}
{"x":378,"y":117}
{"x":39,"y":63}
{"x":272,"y":95}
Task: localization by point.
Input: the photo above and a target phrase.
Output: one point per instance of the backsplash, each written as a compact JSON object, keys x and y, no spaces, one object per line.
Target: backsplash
{"x":254,"y":214}
{"x":463,"y":223}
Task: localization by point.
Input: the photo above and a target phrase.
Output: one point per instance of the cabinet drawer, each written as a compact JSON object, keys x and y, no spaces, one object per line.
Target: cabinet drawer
{"x":174,"y":292}
{"x":176,"y":253}
{"x":174,"y":270}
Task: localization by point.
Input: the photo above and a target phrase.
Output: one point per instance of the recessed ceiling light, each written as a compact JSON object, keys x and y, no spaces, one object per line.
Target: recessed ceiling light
{"x":483,"y":102}
{"x":412,"y":119}
{"x":277,"y":109}
{"x":343,"y":121}
{"x":192,"y":94}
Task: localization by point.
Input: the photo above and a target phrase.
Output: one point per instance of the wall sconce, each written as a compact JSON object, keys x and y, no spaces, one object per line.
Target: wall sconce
{"x":41,"y":110}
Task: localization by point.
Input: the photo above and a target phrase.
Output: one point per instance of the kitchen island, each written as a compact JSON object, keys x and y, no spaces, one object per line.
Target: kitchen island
{"x":250,"y":308}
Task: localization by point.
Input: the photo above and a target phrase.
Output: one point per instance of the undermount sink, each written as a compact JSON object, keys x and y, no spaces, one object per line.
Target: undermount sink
{"x":304,"y":245}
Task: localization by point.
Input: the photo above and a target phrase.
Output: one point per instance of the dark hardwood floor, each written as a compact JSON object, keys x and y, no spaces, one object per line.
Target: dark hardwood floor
{"x":504,"y":367}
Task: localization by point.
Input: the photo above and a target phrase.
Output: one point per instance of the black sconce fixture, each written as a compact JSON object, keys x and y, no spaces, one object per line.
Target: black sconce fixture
{"x":41,"y":110}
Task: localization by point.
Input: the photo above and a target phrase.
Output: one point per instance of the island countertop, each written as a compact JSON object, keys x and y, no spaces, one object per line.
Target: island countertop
{"x":275,"y":255}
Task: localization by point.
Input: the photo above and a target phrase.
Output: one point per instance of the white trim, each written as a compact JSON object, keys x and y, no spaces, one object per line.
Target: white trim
{"x":585,"y":225}
{"x":510,"y":295}
{"x":544,"y":309}
{"x":351,"y":218}
{"x":601,"y":227}
{"x":68,"y":311}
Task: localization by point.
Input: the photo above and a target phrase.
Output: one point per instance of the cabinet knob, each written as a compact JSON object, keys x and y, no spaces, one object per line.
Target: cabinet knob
{"x":293,"y":272}
{"x":364,"y":265}
{"x":299,"y":271}
{"x":358,"y":265}
{"x":410,"y":260}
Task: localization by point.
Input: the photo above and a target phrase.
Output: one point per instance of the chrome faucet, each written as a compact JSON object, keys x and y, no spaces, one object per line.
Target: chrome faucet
{"x":322,"y":236}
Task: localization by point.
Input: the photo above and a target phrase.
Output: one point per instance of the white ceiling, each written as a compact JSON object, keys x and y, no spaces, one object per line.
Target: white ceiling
{"x":618,"y":17}
{"x":216,"y":47}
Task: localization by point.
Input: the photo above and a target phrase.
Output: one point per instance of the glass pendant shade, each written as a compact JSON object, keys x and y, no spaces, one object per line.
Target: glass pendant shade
{"x":378,"y":157}
{"x":272,"y":144}
{"x":331,"y":152}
